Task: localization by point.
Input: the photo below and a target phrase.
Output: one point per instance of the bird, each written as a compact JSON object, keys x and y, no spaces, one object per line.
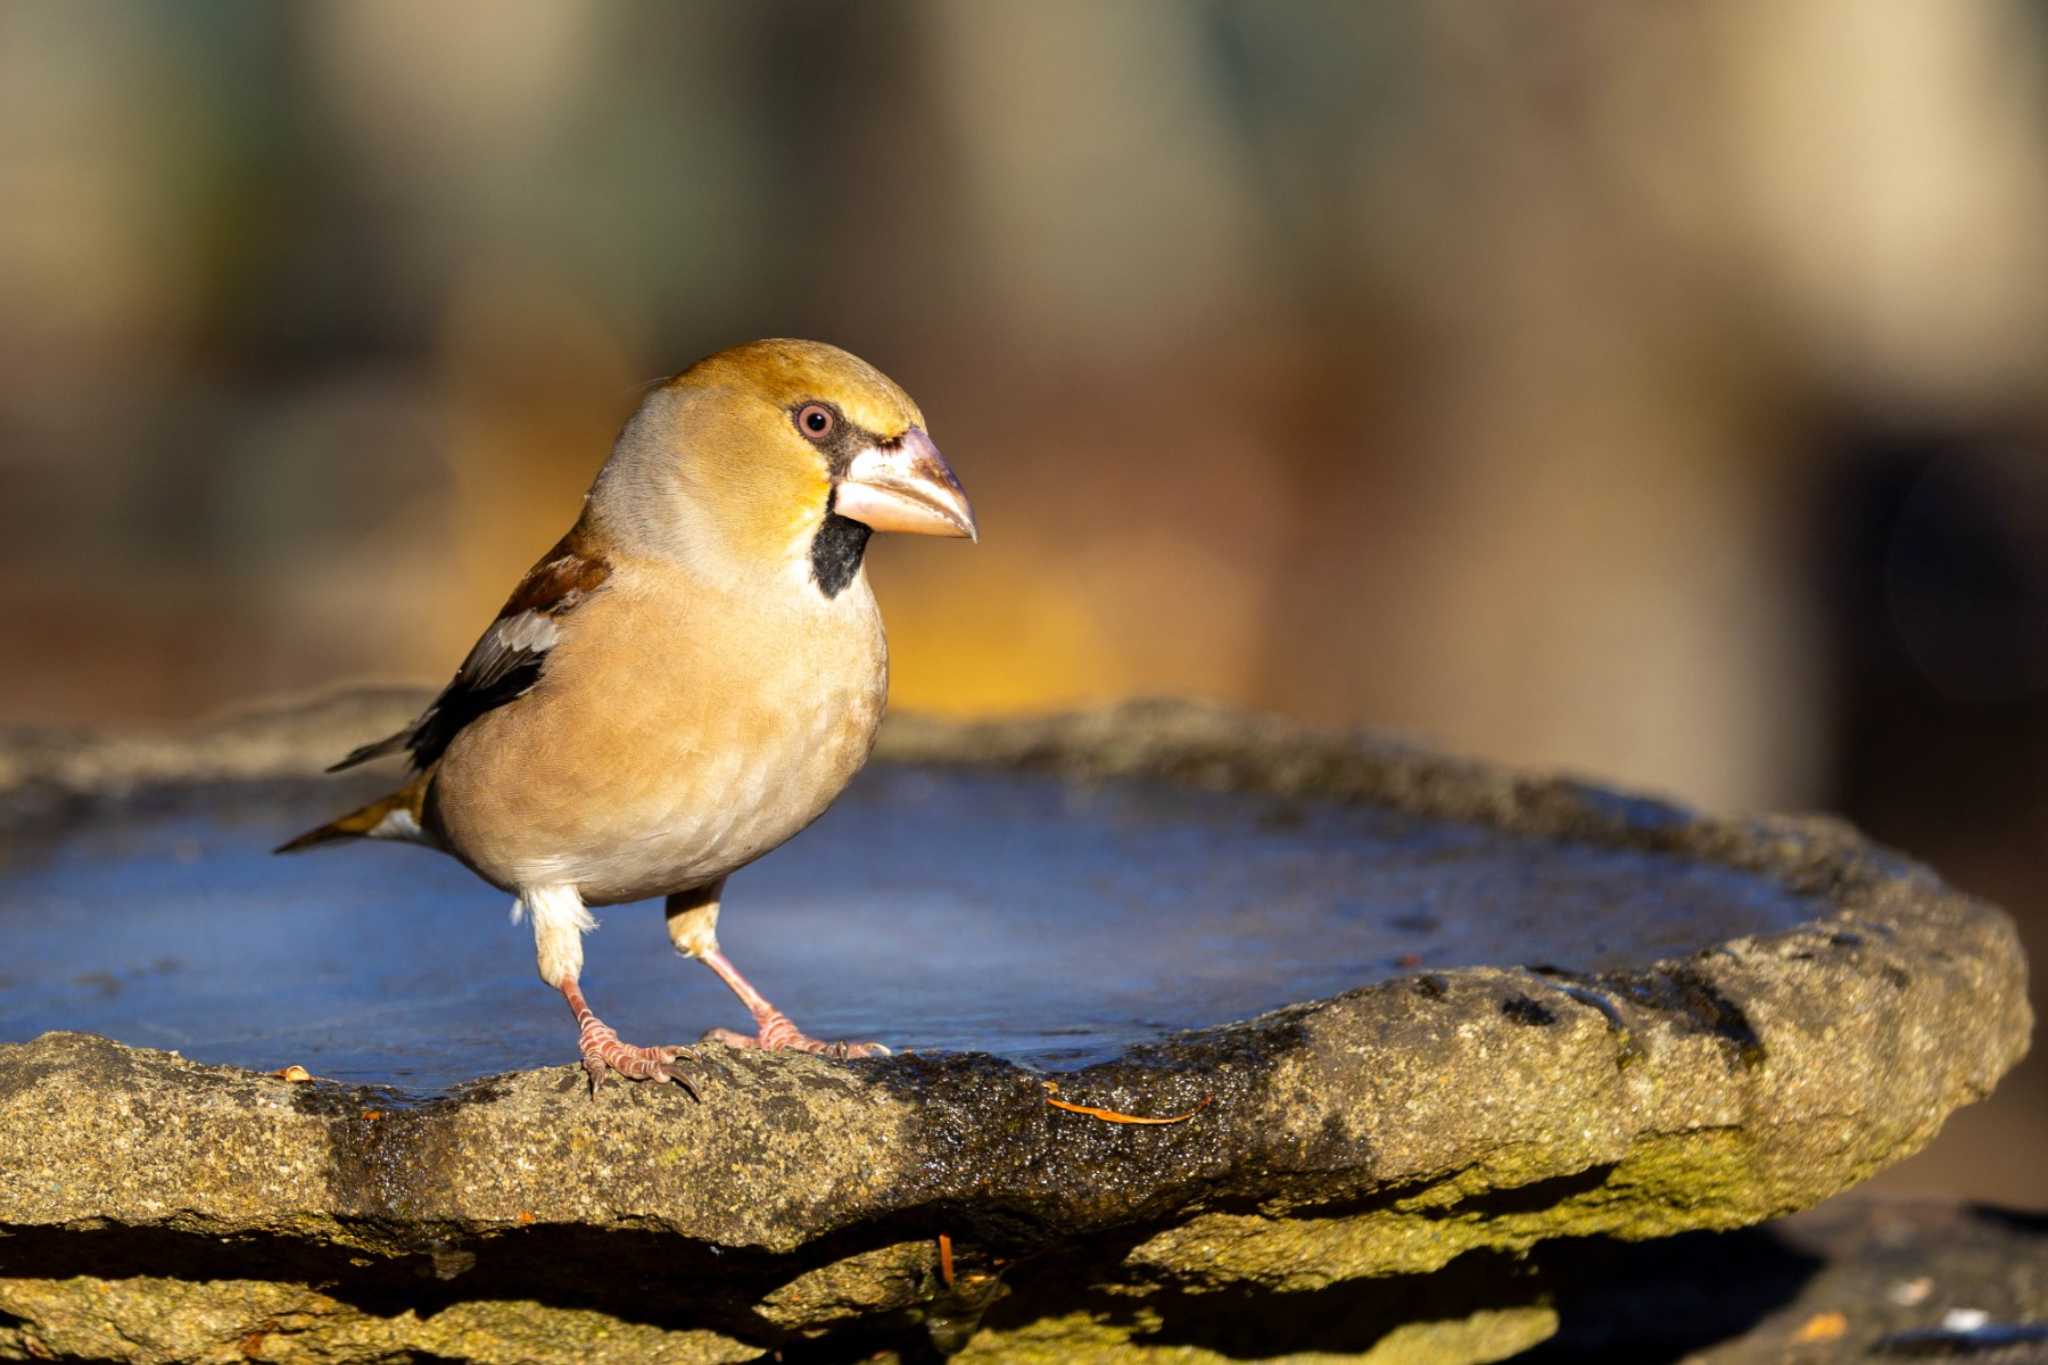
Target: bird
{"x":689,"y":677}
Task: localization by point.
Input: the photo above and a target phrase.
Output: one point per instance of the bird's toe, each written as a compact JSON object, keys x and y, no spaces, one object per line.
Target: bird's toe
{"x":859,"y":1050}
{"x":730,"y":1038}
{"x":777,"y":1034}
{"x":608,"y":1058}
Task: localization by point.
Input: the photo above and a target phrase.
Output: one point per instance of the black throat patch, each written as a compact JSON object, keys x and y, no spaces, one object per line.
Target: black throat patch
{"x":836,"y":551}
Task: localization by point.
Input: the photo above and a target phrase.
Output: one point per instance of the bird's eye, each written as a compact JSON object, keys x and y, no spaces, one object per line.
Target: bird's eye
{"x":815,"y":420}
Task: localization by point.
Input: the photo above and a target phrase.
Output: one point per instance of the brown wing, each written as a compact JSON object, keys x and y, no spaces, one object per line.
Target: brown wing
{"x":506,"y":662}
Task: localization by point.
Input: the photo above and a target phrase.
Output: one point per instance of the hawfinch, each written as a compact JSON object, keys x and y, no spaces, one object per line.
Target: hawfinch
{"x":688,"y":678}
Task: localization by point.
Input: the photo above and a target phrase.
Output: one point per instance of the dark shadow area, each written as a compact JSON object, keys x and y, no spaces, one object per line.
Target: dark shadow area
{"x":1616,"y":1301}
{"x":1880,"y":1277}
{"x":1534,"y":1197}
{"x":1732,"y":1298}
{"x":1642,"y":1302}
{"x":648,"y":1278}
{"x":1248,"y":1324}
{"x":2021,"y":1222}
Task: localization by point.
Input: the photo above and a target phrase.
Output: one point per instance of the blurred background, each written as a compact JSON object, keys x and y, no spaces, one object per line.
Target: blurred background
{"x":1652,"y":391}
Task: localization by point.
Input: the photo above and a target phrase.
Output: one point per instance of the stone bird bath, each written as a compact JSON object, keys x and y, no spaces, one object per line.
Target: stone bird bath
{"x":1425,"y":1014}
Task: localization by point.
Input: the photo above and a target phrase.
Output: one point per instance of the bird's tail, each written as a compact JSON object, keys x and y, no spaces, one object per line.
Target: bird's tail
{"x":396,"y":816}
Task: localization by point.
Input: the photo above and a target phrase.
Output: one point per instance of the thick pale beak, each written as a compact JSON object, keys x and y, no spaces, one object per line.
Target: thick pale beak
{"x":905,"y":486}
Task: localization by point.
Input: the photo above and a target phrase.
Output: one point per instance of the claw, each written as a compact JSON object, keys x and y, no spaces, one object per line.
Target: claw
{"x":604,"y":1056}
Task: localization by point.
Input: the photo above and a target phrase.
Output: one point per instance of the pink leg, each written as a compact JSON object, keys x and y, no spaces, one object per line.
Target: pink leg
{"x":604,"y":1054}
{"x":773,"y":1030}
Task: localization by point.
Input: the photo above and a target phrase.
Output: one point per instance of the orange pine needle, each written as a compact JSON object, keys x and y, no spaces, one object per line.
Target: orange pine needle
{"x":946,"y":1259}
{"x":1112,"y":1116}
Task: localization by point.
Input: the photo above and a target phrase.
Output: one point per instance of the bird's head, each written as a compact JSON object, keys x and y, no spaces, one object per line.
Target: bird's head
{"x":777,"y":455}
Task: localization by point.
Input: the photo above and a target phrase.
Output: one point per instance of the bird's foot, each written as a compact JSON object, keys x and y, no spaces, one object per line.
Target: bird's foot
{"x":778,"y":1034}
{"x":604,"y":1056}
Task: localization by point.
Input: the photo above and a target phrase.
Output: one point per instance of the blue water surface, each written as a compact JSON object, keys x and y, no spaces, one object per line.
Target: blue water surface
{"x":1050,"y":923}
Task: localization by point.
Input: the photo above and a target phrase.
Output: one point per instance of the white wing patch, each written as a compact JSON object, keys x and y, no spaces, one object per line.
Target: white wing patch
{"x":505,"y":664}
{"x":530,"y":631}
{"x":398,"y":823}
{"x":508,"y":643}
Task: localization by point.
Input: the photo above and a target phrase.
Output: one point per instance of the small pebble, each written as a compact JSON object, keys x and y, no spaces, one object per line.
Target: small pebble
{"x":1908,"y":1293}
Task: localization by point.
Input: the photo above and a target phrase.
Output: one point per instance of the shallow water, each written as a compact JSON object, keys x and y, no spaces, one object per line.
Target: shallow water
{"x":940,"y":910}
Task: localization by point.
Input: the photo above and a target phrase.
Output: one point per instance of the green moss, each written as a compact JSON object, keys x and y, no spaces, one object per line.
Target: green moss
{"x":1711,"y":1178}
{"x":1081,"y":1338}
{"x":145,"y":1319}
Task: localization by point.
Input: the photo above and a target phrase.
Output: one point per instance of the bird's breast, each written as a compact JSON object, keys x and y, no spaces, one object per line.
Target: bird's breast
{"x":690,"y":744}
